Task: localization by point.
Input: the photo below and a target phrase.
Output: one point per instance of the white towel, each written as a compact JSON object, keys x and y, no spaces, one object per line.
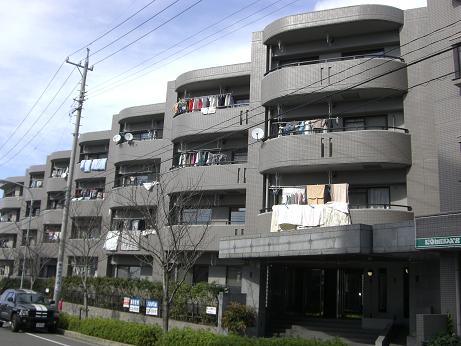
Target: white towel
{"x":86,"y":165}
{"x":149,"y":186}
{"x":99,"y":164}
{"x":112,"y":240}
{"x":130,"y":240}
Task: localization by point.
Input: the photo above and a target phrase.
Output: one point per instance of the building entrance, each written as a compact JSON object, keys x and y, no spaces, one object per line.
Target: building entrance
{"x":296,"y":291}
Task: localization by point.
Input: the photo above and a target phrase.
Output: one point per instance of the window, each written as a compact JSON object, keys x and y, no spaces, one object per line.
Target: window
{"x":365,"y":52}
{"x":59,"y":168}
{"x":196,"y":216}
{"x":86,"y":227}
{"x":51,"y":233}
{"x":366,"y":123}
{"x":457,"y":60}
{"x":237,"y":215}
{"x":79,"y":265}
{"x":35,"y":208}
{"x":200,"y":273}
{"x":234,"y":278}
{"x":7,"y":241}
{"x":382,"y":290}
{"x":10,"y":215}
{"x":32,"y":237}
{"x":55,"y":200}
{"x":36,"y":180}
{"x":371,"y":197}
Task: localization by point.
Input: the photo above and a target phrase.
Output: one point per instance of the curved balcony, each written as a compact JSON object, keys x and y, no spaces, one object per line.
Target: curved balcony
{"x":96,"y":136}
{"x":131,"y":196}
{"x":207,"y":77}
{"x":224,"y":120}
{"x":55,"y":184}
{"x":336,"y":22}
{"x":314,"y":80}
{"x":51,"y":216}
{"x":11,"y":202}
{"x":8,"y":228}
{"x":208,"y":178}
{"x":143,"y":149}
{"x":366,"y":216}
{"x":335,"y":151}
{"x":79,"y":174}
{"x":140,"y":111}
{"x":93,"y":207}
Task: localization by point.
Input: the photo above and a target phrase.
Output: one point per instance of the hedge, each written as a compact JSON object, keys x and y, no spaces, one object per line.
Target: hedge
{"x":114,"y":330}
{"x":152,"y":335}
{"x":445,"y":340}
{"x":189,"y":337}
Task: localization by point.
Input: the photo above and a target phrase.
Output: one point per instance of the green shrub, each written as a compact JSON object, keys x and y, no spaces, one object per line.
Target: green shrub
{"x":186,"y":336}
{"x":115,"y":330}
{"x":238,"y":317}
{"x":445,"y":340}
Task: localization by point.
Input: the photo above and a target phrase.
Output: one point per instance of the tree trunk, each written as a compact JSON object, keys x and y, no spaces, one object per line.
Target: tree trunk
{"x":165,"y":305}
{"x":32,"y":281}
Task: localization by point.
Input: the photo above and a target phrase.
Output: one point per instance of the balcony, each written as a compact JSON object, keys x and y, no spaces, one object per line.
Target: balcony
{"x":194,"y":123}
{"x":338,"y":22}
{"x":372,"y":215}
{"x":140,"y":148}
{"x":51,"y":216}
{"x":312,"y":81}
{"x":209,"y":178}
{"x":131,"y":196}
{"x":11,"y":202}
{"x":335,"y":151}
{"x":56,"y":184}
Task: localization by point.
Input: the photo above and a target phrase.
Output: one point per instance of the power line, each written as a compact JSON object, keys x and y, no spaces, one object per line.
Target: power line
{"x":202,"y":39}
{"x":149,"y":32}
{"x":38,"y":118}
{"x":113,"y":28}
{"x":34,"y":105}
{"x":178,"y":43}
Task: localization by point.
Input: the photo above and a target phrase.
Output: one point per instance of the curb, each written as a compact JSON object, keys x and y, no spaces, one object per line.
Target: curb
{"x":90,"y":339}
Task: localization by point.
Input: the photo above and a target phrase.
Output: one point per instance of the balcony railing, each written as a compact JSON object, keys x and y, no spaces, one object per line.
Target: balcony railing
{"x":363,"y":206}
{"x":341,"y":58}
{"x":287,"y":128}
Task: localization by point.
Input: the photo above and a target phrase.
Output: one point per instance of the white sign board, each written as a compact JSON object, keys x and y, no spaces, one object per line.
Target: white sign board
{"x":152,"y":307}
{"x":126,"y":302}
{"x":211,"y":310}
{"x":134,"y":305}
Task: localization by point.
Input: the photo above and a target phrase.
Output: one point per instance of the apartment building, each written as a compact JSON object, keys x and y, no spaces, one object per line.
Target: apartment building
{"x":329,"y":169}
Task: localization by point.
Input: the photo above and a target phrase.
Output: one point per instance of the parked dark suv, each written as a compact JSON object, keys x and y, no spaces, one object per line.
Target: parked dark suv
{"x":27,"y":309}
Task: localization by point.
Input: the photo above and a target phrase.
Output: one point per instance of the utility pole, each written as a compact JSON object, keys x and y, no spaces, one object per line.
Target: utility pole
{"x":70,"y":178}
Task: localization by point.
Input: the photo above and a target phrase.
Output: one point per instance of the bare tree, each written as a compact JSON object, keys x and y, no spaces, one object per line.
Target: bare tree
{"x":172,"y":233}
{"x":36,"y":254}
{"x":84,"y":247}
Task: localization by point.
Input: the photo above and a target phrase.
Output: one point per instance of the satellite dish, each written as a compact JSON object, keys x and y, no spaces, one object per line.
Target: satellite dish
{"x":257,"y":133}
{"x":117,"y":139}
{"x":129,"y":136}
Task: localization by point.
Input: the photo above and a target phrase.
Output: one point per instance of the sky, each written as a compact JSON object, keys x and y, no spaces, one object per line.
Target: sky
{"x":136,"y":46}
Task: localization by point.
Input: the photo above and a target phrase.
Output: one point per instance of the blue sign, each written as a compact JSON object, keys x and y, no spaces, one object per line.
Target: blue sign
{"x":152,"y":307}
{"x":134,"y":304}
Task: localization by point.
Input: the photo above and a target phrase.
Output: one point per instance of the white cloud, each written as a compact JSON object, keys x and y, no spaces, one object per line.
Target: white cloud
{"x":404,"y":5}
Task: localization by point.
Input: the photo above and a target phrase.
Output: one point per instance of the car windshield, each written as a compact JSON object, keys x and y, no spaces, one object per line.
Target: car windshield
{"x":31,"y":298}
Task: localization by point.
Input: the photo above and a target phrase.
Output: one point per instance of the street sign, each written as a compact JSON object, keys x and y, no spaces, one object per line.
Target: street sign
{"x":211,"y":310}
{"x":152,"y":307}
{"x":438,"y":242}
{"x":134,"y":304}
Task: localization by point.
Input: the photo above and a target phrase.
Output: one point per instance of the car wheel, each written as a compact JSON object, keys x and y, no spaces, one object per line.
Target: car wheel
{"x":15,"y":323}
{"x":52,"y":328}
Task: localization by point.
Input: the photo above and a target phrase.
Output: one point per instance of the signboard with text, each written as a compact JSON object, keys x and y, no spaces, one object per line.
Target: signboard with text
{"x":211,"y":310}
{"x":152,"y":307}
{"x":438,"y":242}
{"x":126,"y":302}
{"x":134,"y":304}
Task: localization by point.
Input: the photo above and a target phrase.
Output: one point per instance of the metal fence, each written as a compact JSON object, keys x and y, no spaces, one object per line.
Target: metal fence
{"x":193,"y":312}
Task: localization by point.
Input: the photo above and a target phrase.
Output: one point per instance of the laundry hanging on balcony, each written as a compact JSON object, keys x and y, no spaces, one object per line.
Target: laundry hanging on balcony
{"x":130,"y":240}
{"x":203,"y":158}
{"x":112,"y":239}
{"x":205,"y":104}
{"x":311,"y":206}
{"x":99,"y":164}
{"x":303,"y":127}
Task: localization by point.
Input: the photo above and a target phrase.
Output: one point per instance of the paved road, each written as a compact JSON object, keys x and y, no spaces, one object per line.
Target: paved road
{"x":36,"y":338}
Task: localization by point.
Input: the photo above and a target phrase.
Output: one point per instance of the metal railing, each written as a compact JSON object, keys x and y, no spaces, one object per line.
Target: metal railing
{"x":275,"y":133}
{"x":341,"y":58}
{"x":377,"y":206}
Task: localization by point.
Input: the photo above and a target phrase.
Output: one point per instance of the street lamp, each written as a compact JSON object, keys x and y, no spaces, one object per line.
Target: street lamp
{"x":5,"y":181}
